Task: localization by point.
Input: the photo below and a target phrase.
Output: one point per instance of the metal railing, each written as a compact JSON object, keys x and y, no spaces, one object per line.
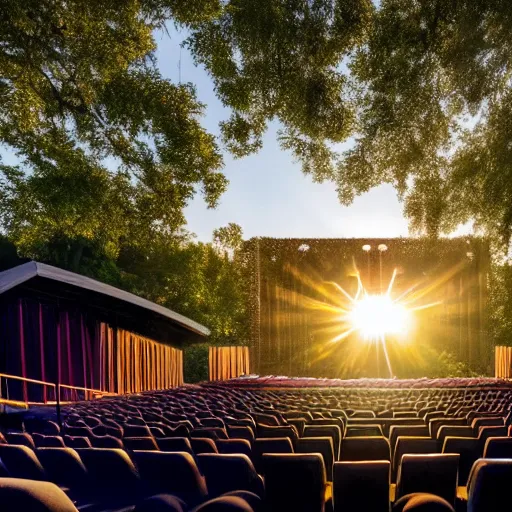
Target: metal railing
{"x":50,"y":394}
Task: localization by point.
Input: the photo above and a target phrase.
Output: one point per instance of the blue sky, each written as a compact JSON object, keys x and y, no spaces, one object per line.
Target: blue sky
{"x":268,"y":194}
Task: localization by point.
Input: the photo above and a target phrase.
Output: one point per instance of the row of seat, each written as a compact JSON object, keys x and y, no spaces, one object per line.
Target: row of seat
{"x":112,"y":479}
{"x":342,"y":426}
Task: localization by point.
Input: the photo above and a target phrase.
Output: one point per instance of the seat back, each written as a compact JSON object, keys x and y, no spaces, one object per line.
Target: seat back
{"x":365,"y":448}
{"x":396,"y":431}
{"x":228,"y":472}
{"x":469,"y":450}
{"x":106,"y":442}
{"x":411,"y":445}
{"x":454,"y":431}
{"x":234,"y":446}
{"x":203,"y":445}
{"x":77,"y":442}
{"x":20,"y":439}
{"x":140,"y":443}
{"x":489,"y":485}
{"x":241,"y":432}
{"x":333,"y":431}
{"x":498,"y":448}
{"x":321,"y":445}
{"x":294,"y":481}
{"x":18,"y":495}
{"x":171,"y":473}
{"x":175,"y":444}
{"x":361,"y":486}
{"x":269,"y":445}
{"x":112,"y":473}
{"x":433,"y":473}
{"x":21,"y":462}
{"x":41,"y":441}
{"x":363,"y":430}
{"x":64,"y":467}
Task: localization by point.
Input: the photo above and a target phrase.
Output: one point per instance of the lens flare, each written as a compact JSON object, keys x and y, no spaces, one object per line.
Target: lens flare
{"x":375,"y":316}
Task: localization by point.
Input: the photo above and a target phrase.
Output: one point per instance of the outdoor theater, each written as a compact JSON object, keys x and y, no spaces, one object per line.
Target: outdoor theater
{"x":255,"y":256}
{"x":325,"y":410}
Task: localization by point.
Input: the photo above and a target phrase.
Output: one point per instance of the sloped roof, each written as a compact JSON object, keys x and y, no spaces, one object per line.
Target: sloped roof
{"x":18,"y":275}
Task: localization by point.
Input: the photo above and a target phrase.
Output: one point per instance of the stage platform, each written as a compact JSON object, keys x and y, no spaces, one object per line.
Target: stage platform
{"x":281,"y":382}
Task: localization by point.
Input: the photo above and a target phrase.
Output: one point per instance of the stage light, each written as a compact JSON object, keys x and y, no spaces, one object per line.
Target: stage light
{"x":375,"y":316}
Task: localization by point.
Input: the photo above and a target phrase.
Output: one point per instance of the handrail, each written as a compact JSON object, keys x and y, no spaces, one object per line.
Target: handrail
{"x":26,"y":379}
{"x":55,"y":387}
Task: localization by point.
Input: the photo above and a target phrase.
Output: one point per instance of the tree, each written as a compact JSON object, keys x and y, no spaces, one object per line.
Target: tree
{"x":108,"y":147}
{"x":280,"y":59}
{"x":423,"y":87}
{"x":434,"y":112}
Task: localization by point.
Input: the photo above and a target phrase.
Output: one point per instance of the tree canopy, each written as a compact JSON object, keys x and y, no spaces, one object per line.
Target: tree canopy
{"x":422,"y":86}
{"x":108,"y":147}
{"x":110,"y":151}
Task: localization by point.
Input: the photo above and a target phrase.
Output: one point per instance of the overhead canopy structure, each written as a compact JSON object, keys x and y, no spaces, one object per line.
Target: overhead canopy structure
{"x":62,"y":328}
{"x":131,"y":311}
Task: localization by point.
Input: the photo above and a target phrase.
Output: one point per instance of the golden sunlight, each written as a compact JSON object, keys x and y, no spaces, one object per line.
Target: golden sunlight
{"x":375,"y":316}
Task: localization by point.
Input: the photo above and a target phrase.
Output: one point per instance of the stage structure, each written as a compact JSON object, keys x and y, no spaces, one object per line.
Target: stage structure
{"x":318,"y":305}
{"x":58,"y":327}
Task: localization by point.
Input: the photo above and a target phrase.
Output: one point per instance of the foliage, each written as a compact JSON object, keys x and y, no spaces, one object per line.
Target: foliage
{"x":195,"y":363}
{"x":423,"y":87}
{"x":500,"y":304}
{"x":435,"y":111}
{"x":280,"y":59}
{"x":80,"y":94}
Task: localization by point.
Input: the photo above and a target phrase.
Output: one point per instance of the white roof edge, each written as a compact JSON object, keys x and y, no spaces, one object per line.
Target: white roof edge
{"x":17,"y":275}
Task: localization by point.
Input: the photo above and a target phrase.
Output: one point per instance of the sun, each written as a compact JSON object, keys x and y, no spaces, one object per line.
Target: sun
{"x":376,"y":316}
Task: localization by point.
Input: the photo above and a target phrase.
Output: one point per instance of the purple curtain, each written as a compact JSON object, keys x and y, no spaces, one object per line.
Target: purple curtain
{"x":49,"y":343}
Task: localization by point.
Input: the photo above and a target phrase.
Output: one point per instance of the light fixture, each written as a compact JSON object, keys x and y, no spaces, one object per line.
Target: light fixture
{"x":382,"y":247}
{"x":367,"y":248}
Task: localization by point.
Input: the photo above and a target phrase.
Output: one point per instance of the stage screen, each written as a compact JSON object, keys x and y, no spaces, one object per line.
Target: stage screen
{"x":318,"y":306}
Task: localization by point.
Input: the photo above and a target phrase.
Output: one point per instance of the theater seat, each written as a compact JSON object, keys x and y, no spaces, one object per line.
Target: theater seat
{"x":241,"y":432}
{"x":77,"y":442}
{"x":161,"y":503}
{"x":203,"y":445}
{"x":396,"y":431}
{"x":434,"y":474}
{"x":225,"y":504}
{"x":105,"y":442}
{"x":113,"y":476}
{"x":411,"y":445}
{"x":333,"y":431}
{"x":469,"y":451}
{"x":365,"y":448}
{"x":175,"y":444}
{"x":20,"y":495}
{"x":171,"y":472}
{"x":21,"y":439}
{"x":21,"y":462}
{"x":361,"y":486}
{"x":498,"y":448}
{"x":269,"y":445}
{"x":64,"y":468}
{"x":42,"y":441}
{"x":489,"y":485}
{"x":210,"y":432}
{"x":227,"y":472}
{"x":140,"y":443}
{"x":234,"y":446}
{"x":321,"y":445}
{"x":294,"y":482}
{"x":422,"y":502}
{"x":363,"y":431}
